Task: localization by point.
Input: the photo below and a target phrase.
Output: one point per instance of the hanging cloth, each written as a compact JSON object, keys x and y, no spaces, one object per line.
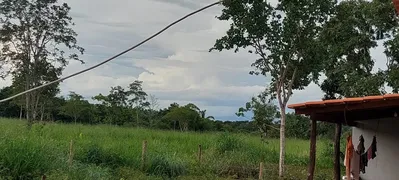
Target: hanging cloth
{"x":396,"y":5}
{"x":348,"y":155}
{"x":360,"y":150}
{"x":348,"y":151}
{"x":371,"y":151}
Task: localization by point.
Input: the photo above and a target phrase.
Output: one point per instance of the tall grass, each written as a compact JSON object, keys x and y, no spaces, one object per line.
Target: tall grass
{"x":108,"y":152}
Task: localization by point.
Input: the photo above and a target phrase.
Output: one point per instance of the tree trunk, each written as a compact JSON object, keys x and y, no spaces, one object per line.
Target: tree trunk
{"x":282,"y":142}
{"x":337,"y":165}
{"x":35,"y":98}
{"x":137,"y":117}
{"x":20,"y":112}
{"x":312,"y":155}
{"x":41,"y":112}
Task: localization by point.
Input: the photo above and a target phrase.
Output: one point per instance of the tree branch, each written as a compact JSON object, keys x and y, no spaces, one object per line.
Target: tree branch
{"x":289,"y":92}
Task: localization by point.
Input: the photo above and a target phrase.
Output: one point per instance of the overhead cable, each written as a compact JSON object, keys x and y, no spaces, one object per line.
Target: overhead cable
{"x":112,"y":58}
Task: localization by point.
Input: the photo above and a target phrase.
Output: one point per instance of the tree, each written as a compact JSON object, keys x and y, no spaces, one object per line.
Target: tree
{"x":34,"y":35}
{"x":204,"y":116}
{"x":115,"y":106}
{"x":347,"y":37}
{"x":353,"y":29}
{"x":120,"y":102}
{"x":183,"y":115}
{"x":285,"y":39}
{"x":137,"y":97}
{"x":153,"y":108}
{"x":8,"y":109}
{"x":264,"y":112}
{"x":75,"y":106}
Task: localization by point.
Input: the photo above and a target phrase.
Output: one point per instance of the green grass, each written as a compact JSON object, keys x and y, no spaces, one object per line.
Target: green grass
{"x":106,"y":152}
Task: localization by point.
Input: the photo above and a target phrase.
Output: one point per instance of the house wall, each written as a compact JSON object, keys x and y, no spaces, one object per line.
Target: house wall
{"x":384,"y":166}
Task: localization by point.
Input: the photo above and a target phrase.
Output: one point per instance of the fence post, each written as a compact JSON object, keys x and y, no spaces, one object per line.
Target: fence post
{"x":70,"y":159}
{"x":199,"y":153}
{"x":143,"y":154}
{"x":261,"y":171}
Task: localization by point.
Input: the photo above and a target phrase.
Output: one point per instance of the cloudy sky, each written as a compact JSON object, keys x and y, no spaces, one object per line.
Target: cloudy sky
{"x":176,"y":66}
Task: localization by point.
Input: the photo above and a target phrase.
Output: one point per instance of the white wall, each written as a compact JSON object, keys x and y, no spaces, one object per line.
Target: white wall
{"x":386,"y":164}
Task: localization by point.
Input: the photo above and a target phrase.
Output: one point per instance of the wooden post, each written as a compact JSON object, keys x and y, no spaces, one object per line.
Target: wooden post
{"x":70,"y":159}
{"x":312,"y":162}
{"x":261,"y":171}
{"x":199,"y":153}
{"x":143,"y":154}
{"x":337,"y":165}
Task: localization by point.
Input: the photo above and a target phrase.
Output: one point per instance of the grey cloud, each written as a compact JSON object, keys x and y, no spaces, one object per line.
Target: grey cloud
{"x":190,"y":4}
{"x":106,"y":30}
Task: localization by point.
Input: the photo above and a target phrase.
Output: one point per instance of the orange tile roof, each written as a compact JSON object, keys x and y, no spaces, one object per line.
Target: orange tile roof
{"x":357,"y":100}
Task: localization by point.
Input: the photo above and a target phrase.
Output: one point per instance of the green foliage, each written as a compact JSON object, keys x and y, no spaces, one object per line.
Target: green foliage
{"x":37,"y":41}
{"x":353,"y":30}
{"x":264,"y":113}
{"x":122,"y":106}
{"x":298,"y":126}
{"x":161,"y":166}
{"x":8,"y":109}
{"x":109,"y":152}
{"x":24,"y":159}
{"x":285,"y":44}
{"x":285,"y":39}
{"x":75,"y":106}
{"x":94,"y":154}
{"x":228,"y":142}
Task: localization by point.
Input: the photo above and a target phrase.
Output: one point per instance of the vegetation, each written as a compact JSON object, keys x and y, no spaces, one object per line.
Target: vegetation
{"x":110,"y":152}
{"x":284,"y":37}
{"x":295,"y":42}
{"x":37,"y":42}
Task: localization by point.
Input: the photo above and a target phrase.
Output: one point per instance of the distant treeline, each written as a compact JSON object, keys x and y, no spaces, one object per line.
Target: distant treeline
{"x":134,"y":108}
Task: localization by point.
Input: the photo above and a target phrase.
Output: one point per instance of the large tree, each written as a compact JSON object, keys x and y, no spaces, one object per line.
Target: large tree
{"x":138,"y":98}
{"x":75,"y":106}
{"x":121,"y":102}
{"x":353,"y":30}
{"x":284,"y":37}
{"x":37,"y":42}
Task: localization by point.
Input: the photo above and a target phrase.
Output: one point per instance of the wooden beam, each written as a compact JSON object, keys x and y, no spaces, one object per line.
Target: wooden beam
{"x":348,"y":106}
{"x":333,"y":118}
{"x":350,"y":117}
{"x":337,"y":164}
{"x":312,"y":155}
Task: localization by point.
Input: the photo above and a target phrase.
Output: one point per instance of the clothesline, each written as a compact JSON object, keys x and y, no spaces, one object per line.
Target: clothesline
{"x":365,"y":156}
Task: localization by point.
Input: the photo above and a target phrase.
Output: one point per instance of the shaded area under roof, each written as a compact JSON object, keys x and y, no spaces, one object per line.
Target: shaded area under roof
{"x":349,"y":110}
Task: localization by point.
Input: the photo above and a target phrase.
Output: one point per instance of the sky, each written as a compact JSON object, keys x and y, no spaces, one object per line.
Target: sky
{"x":175,"y":66}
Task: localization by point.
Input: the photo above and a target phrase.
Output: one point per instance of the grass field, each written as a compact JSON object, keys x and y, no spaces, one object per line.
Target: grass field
{"x":106,"y":152}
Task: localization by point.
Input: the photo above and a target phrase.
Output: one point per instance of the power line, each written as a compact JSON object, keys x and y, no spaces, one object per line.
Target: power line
{"x":110,"y":59}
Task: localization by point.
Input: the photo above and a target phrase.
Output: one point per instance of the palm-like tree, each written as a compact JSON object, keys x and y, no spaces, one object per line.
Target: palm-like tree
{"x":203,"y":115}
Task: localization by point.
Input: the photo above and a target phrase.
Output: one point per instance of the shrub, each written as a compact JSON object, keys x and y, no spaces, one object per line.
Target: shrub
{"x":227,"y":142}
{"x":23,"y":159}
{"x":160,"y":166}
{"x":328,"y":149}
{"x":98,"y":156}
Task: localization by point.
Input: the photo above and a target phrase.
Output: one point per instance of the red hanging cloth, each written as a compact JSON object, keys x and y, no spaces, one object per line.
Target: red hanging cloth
{"x":396,"y":5}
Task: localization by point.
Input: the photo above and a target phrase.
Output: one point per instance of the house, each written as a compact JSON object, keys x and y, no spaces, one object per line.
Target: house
{"x":369,"y":117}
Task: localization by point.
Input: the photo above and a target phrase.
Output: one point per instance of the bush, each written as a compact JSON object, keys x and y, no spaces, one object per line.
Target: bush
{"x":227,"y":142}
{"x":23,"y":159}
{"x":328,"y":149}
{"x":98,"y":156}
{"x":160,"y":166}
